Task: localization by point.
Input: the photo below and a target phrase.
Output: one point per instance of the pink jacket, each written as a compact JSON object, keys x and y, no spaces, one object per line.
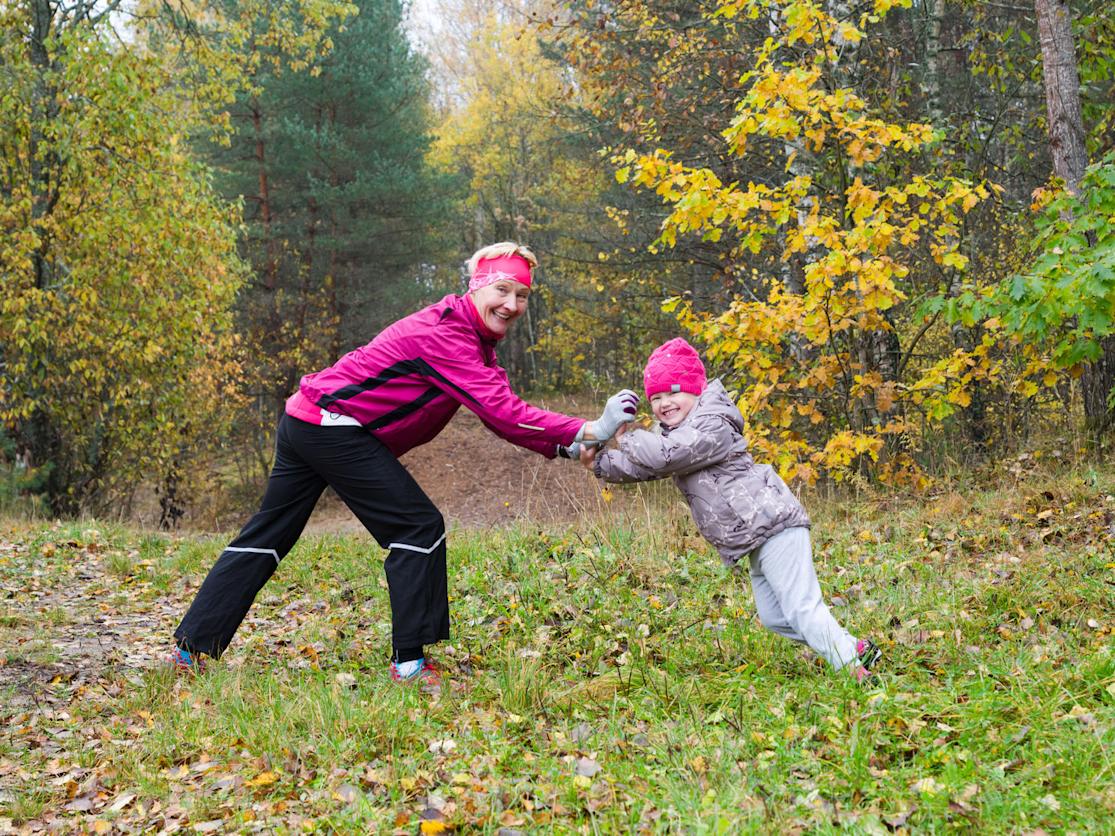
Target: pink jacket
{"x":405,"y":385}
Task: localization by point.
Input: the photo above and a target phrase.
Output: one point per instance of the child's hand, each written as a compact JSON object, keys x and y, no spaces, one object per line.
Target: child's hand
{"x":620,"y":430}
{"x":588,"y":456}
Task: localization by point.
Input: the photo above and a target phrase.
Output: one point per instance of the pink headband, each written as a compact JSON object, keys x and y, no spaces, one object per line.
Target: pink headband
{"x":491,"y":270}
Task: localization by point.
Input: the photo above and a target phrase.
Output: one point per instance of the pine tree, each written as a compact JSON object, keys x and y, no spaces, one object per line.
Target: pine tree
{"x":340,"y":207}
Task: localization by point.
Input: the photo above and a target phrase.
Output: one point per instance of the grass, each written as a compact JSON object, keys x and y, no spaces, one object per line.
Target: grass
{"x":611,"y":678}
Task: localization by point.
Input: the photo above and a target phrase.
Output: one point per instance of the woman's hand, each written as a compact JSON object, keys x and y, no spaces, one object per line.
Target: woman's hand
{"x":620,"y":409}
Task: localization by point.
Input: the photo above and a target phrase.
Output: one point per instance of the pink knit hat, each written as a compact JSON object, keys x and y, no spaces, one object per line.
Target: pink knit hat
{"x":491,"y":270}
{"x":674,"y":366}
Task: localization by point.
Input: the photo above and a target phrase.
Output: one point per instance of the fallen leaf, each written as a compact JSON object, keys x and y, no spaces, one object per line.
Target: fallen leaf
{"x":433,"y":822}
{"x":1083,"y":715}
{"x":225,"y":783}
{"x":587,"y":767}
{"x":899,"y":819}
{"x":346,"y":793}
{"x":264,"y":779}
{"x":1051,"y":802}
{"x":929,"y":786}
{"x":122,"y":802}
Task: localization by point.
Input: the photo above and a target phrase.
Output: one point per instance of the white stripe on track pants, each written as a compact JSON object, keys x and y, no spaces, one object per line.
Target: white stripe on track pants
{"x":788,"y":597}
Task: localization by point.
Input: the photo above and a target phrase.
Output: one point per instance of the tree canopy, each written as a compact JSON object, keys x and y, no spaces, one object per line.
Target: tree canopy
{"x":885,"y":225}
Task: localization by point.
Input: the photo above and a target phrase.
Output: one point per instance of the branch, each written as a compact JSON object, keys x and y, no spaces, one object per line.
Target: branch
{"x":917,"y":337}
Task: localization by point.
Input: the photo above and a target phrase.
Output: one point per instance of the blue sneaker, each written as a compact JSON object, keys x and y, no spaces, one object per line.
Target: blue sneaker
{"x":182,"y":660}
{"x":419,"y":670}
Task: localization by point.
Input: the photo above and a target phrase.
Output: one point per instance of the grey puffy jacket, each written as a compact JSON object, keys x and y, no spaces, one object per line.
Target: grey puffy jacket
{"x":738,"y":505}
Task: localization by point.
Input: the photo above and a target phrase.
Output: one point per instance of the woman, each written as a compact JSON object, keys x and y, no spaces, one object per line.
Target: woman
{"x":347,"y":425}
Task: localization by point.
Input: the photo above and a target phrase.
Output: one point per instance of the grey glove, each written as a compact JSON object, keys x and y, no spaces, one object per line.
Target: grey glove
{"x":620,"y":409}
{"x":573,"y":451}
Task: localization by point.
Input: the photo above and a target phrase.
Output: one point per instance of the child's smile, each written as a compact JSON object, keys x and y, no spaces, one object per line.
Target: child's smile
{"x":671,"y":408}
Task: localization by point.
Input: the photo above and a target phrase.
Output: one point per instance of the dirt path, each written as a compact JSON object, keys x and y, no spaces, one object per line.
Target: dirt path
{"x":478,"y":479}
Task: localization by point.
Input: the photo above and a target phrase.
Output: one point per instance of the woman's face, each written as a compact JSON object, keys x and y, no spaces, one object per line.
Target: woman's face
{"x":500,"y":304}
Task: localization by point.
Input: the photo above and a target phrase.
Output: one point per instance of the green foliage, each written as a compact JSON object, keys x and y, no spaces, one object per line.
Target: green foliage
{"x":830,"y":364}
{"x":616,"y":680}
{"x":1096,"y":55}
{"x":1063,"y":302}
{"x":19,"y":484}
{"x":510,"y":133}
{"x":217,"y":48}
{"x":117,"y":359}
{"x":341,"y":209}
{"x":119,"y":268}
{"x":666,"y":75}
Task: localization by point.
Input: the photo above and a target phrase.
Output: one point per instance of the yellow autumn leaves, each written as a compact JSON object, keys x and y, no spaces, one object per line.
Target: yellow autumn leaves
{"x":829,"y":383}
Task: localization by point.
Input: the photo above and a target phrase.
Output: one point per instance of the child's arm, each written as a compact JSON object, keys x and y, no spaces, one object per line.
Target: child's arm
{"x":693,"y":446}
{"x":613,"y":465}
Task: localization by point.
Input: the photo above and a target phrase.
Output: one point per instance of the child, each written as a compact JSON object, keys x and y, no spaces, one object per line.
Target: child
{"x":742,"y":508}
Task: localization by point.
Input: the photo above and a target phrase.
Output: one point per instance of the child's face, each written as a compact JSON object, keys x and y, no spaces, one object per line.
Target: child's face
{"x":671,"y":407}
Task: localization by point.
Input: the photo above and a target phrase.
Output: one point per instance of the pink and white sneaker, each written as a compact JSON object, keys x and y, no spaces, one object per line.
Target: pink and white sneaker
{"x":867,"y":656}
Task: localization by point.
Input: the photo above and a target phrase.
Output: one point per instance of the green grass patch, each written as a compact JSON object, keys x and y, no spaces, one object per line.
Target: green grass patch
{"x":608,"y":678}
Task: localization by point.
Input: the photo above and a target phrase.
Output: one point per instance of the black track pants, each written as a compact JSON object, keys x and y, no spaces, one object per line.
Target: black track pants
{"x":383,"y":496}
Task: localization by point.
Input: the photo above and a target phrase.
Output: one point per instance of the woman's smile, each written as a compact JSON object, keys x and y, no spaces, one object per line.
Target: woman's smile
{"x":500,"y":304}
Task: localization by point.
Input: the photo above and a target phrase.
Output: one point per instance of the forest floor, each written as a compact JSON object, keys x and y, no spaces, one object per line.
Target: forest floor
{"x":479,"y":480}
{"x":605,"y":676}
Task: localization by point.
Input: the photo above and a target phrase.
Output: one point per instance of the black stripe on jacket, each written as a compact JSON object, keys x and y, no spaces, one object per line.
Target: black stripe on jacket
{"x":403,"y":411}
{"x":401,"y":369}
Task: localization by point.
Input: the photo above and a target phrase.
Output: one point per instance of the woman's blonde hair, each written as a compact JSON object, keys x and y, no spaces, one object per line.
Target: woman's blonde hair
{"x":503,"y":248}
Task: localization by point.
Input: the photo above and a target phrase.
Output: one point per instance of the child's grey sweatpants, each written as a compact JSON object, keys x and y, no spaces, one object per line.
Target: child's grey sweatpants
{"x":788,"y":597}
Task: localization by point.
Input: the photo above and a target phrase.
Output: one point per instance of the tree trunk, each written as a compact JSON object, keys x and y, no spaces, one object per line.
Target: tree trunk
{"x":1070,"y":158}
{"x":44,"y":167}
{"x":1062,"y":91}
{"x":271,"y":269}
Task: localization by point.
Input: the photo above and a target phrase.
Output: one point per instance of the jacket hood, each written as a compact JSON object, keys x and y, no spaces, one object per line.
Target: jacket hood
{"x":713,"y":402}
